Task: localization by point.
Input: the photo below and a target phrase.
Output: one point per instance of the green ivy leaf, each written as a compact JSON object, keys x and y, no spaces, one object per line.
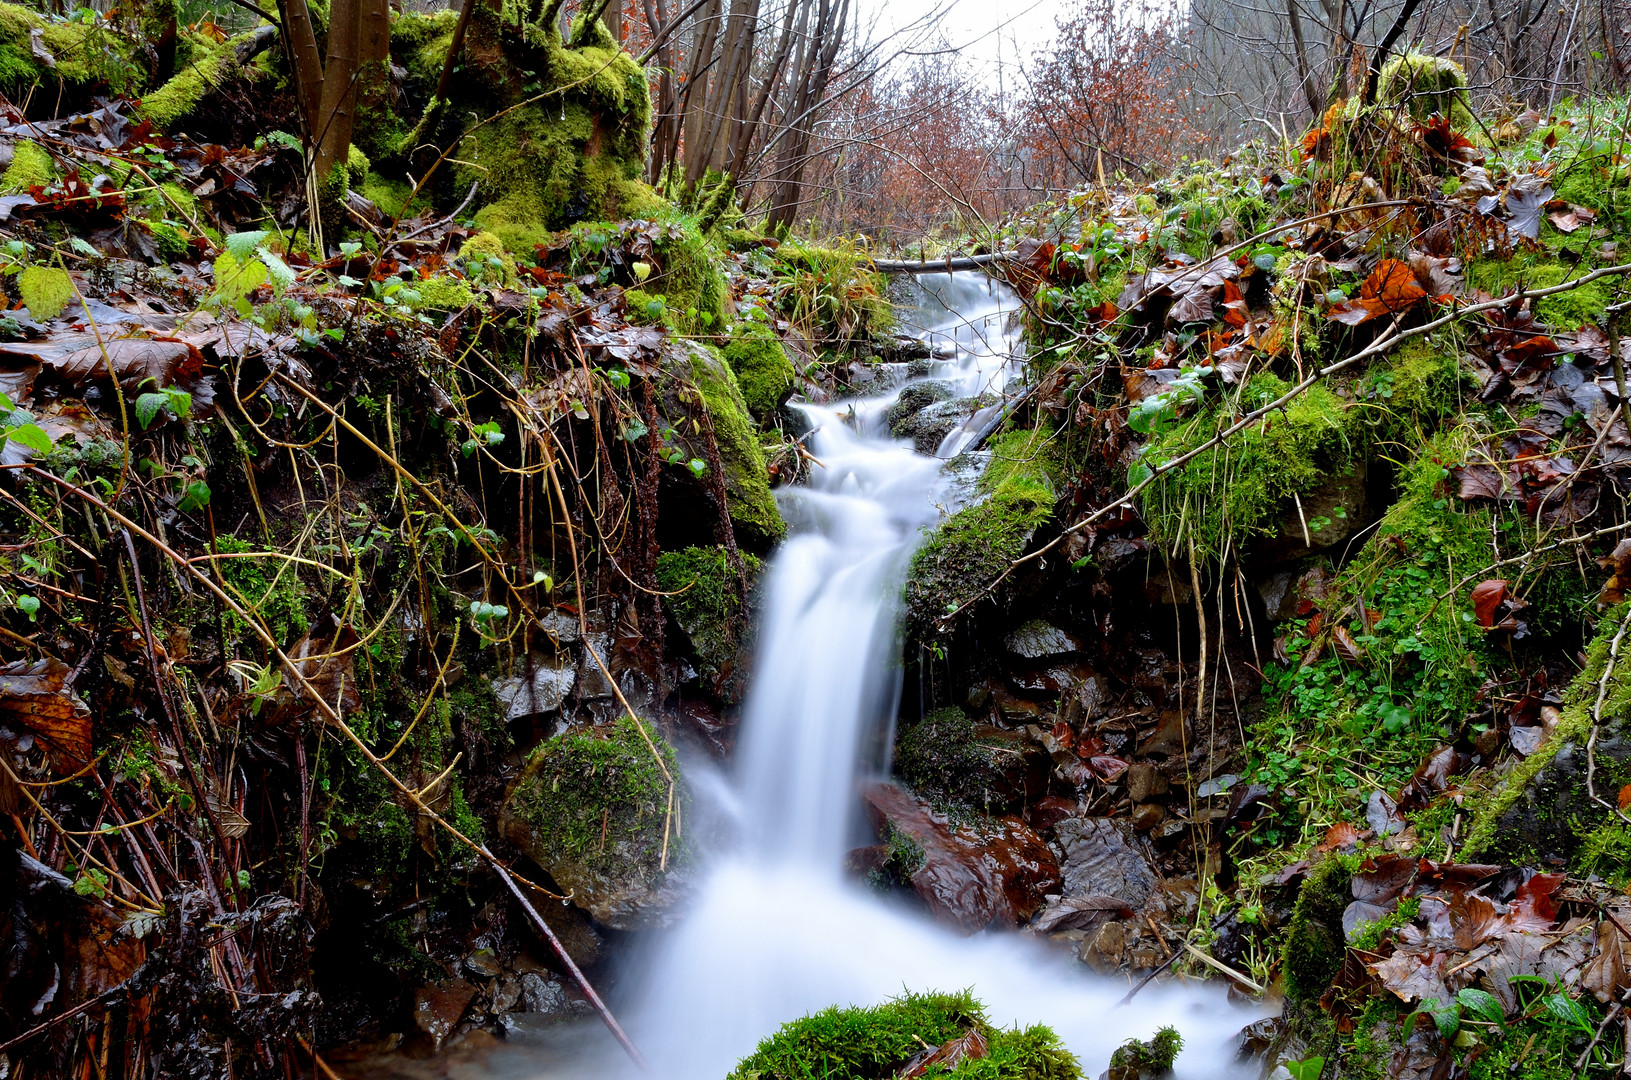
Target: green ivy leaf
{"x":1137,"y":473}
{"x":29,"y":605}
{"x":1483,"y":1005}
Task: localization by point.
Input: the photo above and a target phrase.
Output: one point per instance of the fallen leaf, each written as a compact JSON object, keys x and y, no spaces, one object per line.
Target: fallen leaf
{"x":1078,"y":913}
{"x":945,"y":1060}
{"x":1486,"y":597}
{"x":1341,"y":835}
{"x":1571,"y":217}
{"x":33,"y":696}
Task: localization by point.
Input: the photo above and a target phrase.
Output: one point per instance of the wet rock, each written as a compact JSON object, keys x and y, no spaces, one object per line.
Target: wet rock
{"x":592,"y":682}
{"x":1285,"y":592}
{"x":1016,"y":711}
{"x":542,"y":689}
{"x":570,"y":926}
{"x":914,"y":398}
{"x":591,"y":808}
{"x":1100,"y":857}
{"x":1169,"y":737}
{"x":1147,"y":816}
{"x":482,"y":962}
{"x":544,"y":995}
{"x":561,"y":627}
{"x":948,"y":758}
{"x":1105,"y":947}
{"x":929,"y":427}
{"x":1546,"y":822}
{"x":1050,"y":810}
{"x":1136,"y":1060}
{"x":969,"y":877}
{"x":1329,"y":515}
{"x":1093,"y":694}
{"x":1036,"y":639}
{"x":437,"y":1010}
{"x":1144,"y":782}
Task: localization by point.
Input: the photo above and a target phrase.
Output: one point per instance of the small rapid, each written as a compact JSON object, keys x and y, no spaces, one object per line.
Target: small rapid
{"x":776,"y":930}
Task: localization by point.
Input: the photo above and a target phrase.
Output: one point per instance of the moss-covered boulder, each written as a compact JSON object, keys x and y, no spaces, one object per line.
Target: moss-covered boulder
{"x":1314,"y":944}
{"x":954,"y":762}
{"x":593,"y":809}
{"x":708,"y":605}
{"x":1543,"y":813}
{"x":977,"y":543}
{"x":753,"y":510}
{"x":31,"y":165}
{"x":762,"y":368}
{"x":80,"y":57}
{"x":575,"y":153}
{"x":947,"y":1034}
{"x":1148,"y":1059}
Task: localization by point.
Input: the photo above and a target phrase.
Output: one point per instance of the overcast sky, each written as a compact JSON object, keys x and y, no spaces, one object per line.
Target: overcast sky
{"x":992,"y":34}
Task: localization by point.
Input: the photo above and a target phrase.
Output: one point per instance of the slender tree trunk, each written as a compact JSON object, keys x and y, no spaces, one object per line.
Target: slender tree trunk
{"x":308,"y":62}
{"x":1304,"y":75}
{"x":337,"y":111}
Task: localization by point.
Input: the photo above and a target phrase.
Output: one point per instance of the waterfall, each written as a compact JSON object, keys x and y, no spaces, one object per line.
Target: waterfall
{"x":776,"y":931}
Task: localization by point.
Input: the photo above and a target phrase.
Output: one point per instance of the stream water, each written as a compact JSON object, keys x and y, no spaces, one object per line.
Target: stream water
{"x":777,"y":930}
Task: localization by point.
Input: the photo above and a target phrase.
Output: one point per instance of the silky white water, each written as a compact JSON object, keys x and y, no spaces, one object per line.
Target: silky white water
{"x":776,"y":931}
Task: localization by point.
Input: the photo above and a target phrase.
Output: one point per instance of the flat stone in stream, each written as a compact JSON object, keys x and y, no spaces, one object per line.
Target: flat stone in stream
{"x":969,"y":878}
{"x":1101,"y":859}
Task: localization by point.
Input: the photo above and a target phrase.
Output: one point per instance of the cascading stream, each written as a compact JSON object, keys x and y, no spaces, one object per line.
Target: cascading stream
{"x":776,"y":931}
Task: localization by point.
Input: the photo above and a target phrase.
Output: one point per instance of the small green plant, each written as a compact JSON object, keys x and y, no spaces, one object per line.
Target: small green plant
{"x":1306,"y":1069}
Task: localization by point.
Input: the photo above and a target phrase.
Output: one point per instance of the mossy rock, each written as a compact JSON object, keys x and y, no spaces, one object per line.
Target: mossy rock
{"x":977,"y":543}
{"x":1147,"y":1059}
{"x":861,"y":1043}
{"x":752,"y":508}
{"x":592,"y":808}
{"x":1542,"y":812}
{"x":88,"y":58}
{"x":1430,"y":84}
{"x":949,"y":760}
{"x":1314,"y":944}
{"x":707,"y":604}
{"x":762,"y":368}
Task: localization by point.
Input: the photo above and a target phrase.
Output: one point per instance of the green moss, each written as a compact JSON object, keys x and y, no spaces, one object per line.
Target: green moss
{"x":977,"y":543}
{"x":267,"y":586}
{"x":391,"y":196}
{"x":762,"y":368}
{"x":1248,"y":488}
{"x":88,"y":56}
{"x":1572,"y":309}
{"x":1432,"y":84}
{"x":1605,"y":852}
{"x":576,"y":154}
{"x":689,"y":279}
{"x":486,"y":258}
{"x":860,"y":1043}
{"x":31,"y":165}
{"x":940,"y":757}
{"x":707,"y":604}
{"x":173,"y":103}
{"x":747,"y":486}
{"x":1426,"y":381}
{"x":1487,"y":837}
{"x":584,"y":786}
{"x":643,"y":308}
{"x":444,"y":293}
{"x":1314,"y":945}
{"x":1135,"y":1059}
{"x":1370,"y":936}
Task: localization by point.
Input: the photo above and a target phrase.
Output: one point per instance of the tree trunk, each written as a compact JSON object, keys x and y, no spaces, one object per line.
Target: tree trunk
{"x":337,"y":111}
{"x":308,"y":63}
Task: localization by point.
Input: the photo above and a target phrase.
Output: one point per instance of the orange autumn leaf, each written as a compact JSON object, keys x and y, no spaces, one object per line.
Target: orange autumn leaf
{"x":1625,"y":797}
{"x":1391,"y":288}
{"x":34,"y":697}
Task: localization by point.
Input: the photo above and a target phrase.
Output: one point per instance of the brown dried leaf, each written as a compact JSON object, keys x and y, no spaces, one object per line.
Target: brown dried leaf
{"x":33,"y":697}
{"x":1486,"y":597}
{"x":1413,"y":976}
{"x":971,"y":1046}
{"x":1608,"y":974}
{"x":1078,"y":913}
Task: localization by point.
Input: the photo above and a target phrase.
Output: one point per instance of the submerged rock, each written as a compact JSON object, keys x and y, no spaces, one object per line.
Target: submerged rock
{"x":916,"y":397}
{"x":969,"y":877}
{"x":592,"y":808}
{"x":1036,"y":639}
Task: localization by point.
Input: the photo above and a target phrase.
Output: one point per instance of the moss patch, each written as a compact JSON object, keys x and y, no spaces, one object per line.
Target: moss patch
{"x":1430,"y":84}
{"x":747,"y":486}
{"x":173,"y":103}
{"x":873,"y":1043}
{"x":1247,"y":489}
{"x":31,"y":166}
{"x":1314,"y":944}
{"x":1136,"y":1060}
{"x":708,"y":606}
{"x":978,"y":542}
{"x":762,"y":369}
